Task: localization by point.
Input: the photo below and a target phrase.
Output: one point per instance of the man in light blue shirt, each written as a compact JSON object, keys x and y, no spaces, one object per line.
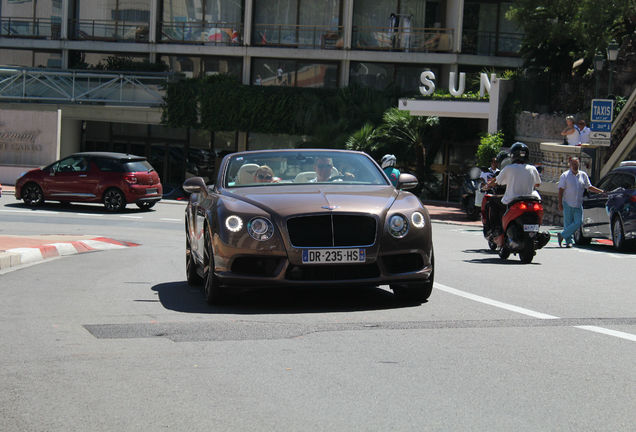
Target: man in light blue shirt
{"x":572,"y":185}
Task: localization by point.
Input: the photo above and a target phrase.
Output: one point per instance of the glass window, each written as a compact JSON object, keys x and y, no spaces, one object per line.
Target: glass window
{"x":71,"y":164}
{"x":108,"y":61}
{"x":42,"y":20}
{"x":28,"y":58}
{"x":112,"y":19}
{"x":295,"y":22}
{"x":217,"y":21}
{"x":380,"y":75}
{"x":194,"y":67}
{"x":291,"y":73}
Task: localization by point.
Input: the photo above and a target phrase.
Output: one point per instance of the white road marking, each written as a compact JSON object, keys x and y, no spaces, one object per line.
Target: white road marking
{"x":171,"y":220}
{"x":495,"y":303}
{"x":618,"y":334}
{"x":31,"y":211}
{"x":88,"y":214}
{"x":528,"y":312}
{"x":131,"y":217}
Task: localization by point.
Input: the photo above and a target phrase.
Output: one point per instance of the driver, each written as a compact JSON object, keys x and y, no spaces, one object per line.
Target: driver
{"x":520,"y":179}
{"x":323,"y":167}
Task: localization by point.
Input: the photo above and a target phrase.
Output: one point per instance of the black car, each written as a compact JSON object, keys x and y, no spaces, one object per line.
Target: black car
{"x":611,"y":214}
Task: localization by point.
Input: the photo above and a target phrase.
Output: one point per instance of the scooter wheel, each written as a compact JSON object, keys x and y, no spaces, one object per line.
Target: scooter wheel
{"x":504,"y":253}
{"x":492,"y":245}
{"x":526,"y":255}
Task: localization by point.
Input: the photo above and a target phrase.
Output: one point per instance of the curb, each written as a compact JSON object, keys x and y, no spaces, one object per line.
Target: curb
{"x":20,"y":256}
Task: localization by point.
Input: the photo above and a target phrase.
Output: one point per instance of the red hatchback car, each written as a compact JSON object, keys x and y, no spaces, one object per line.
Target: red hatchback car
{"x":115,"y":179}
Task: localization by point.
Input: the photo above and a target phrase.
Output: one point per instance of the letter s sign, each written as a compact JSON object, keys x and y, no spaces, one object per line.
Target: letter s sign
{"x":427,"y":78}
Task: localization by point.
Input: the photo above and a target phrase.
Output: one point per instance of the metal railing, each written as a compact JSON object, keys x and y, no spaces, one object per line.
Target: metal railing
{"x":219,"y":33}
{"x":106,"y":30}
{"x":38,"y":28}
{"x":403,"y":39}
{"x":45,"y":85}
{"x":298,"y":36}
{"x":491,"y":43}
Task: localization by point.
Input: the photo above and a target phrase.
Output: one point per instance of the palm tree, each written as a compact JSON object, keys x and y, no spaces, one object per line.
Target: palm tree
{"x":406,"y":135}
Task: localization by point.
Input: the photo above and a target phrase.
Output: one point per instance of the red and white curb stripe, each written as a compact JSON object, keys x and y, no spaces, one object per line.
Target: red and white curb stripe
{"x":52,"y":250}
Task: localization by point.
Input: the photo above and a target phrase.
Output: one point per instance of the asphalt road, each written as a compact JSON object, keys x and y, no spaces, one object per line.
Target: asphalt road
{"x":116,"y":340}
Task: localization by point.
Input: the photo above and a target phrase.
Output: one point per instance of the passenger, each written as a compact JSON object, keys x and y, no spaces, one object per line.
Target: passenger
{"x":264,"y":174}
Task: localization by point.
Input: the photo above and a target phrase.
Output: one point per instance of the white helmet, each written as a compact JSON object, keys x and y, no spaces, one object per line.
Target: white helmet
{"x":388,"y":160}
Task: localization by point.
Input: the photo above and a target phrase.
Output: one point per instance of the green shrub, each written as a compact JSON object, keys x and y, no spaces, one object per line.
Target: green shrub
{"x":489,"y":146}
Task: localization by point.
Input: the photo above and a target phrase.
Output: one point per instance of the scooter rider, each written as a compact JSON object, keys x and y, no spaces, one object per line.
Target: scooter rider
{"x":520,"y":179}
{"x":388,"y":166}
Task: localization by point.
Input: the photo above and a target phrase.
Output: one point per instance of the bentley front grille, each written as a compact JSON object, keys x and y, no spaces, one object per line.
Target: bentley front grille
{"x":332,"y":231}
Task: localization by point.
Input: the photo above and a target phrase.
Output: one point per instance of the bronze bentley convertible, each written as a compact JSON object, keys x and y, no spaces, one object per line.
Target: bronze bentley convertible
{"x":306,"y":218}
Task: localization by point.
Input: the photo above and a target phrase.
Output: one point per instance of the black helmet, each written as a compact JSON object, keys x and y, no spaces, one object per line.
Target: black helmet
{"x":501,"y":156}
{"x":519,"y":153}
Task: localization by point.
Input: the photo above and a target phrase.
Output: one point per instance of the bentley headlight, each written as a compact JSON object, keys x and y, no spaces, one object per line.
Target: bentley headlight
{"x":260,"y":228}
{"x":417,"y":219}
{"x":233,"y":223}
{"x":398,"y":226}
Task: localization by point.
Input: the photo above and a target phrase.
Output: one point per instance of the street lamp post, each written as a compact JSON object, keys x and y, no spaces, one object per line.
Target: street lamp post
{"x":598,"y":67}
{"x":612,"y":55}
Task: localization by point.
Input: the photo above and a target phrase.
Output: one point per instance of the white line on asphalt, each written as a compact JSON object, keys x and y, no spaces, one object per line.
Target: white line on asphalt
{"x":528,"y":312}
{"x":618,"y":334}
{"x":30,"y":211}
{"x":495,"y":303}
{"x":88,"y":214}
{"x":131,"y":217}
{"x":171,"y":220}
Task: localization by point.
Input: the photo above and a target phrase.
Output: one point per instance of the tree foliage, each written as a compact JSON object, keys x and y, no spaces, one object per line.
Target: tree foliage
{"x":222,"y":103}
{"x":558,"y":32}
{"x":489,"y":146}
{"x":400,"y":134}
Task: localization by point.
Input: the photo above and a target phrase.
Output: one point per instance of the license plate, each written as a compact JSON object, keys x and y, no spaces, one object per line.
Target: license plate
{"x":330,"y":256}
{"x":151,"y":191}
{"x":530,"y":228}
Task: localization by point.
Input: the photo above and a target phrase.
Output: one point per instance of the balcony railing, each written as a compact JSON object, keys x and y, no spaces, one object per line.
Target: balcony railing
{"x":37,"y":28}
{"x":105,"y":30}
{"x":28,"y":85}
{"x":403,"y":39}
{"x":220,"y":33}
{"x":491,"y":43}
{"x":298,"y":36}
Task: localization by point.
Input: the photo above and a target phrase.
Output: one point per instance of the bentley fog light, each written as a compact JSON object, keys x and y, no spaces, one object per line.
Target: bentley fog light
{"x":260,"y":229}
{"x":233,"y":223}
{"x":398,"y":226}
{"x":417,"y":219}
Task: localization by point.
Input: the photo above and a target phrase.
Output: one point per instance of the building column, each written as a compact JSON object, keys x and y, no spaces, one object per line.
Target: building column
{"x":247,"y":22}
{"x":455,"y":20}
{"x":66,"y":9}
{"x":347,"y":35}
{"x":154,"y":19}
{"x":247,"y":39}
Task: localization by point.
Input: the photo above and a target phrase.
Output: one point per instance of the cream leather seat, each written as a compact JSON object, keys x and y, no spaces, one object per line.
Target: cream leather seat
{"x":304,"y":177}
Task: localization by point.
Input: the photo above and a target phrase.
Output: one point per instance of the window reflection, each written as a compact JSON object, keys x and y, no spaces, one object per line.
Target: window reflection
{"x":207,"y":21}
{"x":275,"y":72}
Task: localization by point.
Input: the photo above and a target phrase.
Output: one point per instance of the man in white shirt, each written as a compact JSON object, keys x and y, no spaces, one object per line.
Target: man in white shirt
{"x":520,"y":179}
{"x":584,"y":132}
{"x":572,"y":185}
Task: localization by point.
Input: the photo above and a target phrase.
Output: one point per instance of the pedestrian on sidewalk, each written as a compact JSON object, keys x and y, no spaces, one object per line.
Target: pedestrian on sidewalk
{"x":570,"y":134}
{"x":572,"y":184}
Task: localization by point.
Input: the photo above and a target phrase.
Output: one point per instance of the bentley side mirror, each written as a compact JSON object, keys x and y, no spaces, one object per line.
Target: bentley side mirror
{"x":195,"y":185}
{"x":407,"y":181}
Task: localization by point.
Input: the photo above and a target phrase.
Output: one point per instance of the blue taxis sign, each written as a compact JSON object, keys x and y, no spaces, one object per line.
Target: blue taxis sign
{"x":602,"y":110}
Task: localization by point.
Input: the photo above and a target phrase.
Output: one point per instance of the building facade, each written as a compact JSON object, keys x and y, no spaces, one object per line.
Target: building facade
{"x":321,"y":44}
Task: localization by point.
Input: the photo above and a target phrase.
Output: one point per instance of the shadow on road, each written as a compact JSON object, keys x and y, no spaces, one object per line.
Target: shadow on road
{"x":95,"y":208}
{"x":180,"y":297}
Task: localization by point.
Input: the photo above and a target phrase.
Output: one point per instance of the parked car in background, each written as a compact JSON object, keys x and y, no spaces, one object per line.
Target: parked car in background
{"x":611,"y":214}
{"x":307,"y":218}
{"x":114,"y":179}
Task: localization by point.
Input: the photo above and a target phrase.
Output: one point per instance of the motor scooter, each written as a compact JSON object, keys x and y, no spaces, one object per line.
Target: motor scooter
{"x":519,"y":232}
{"x":471,"y":193}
